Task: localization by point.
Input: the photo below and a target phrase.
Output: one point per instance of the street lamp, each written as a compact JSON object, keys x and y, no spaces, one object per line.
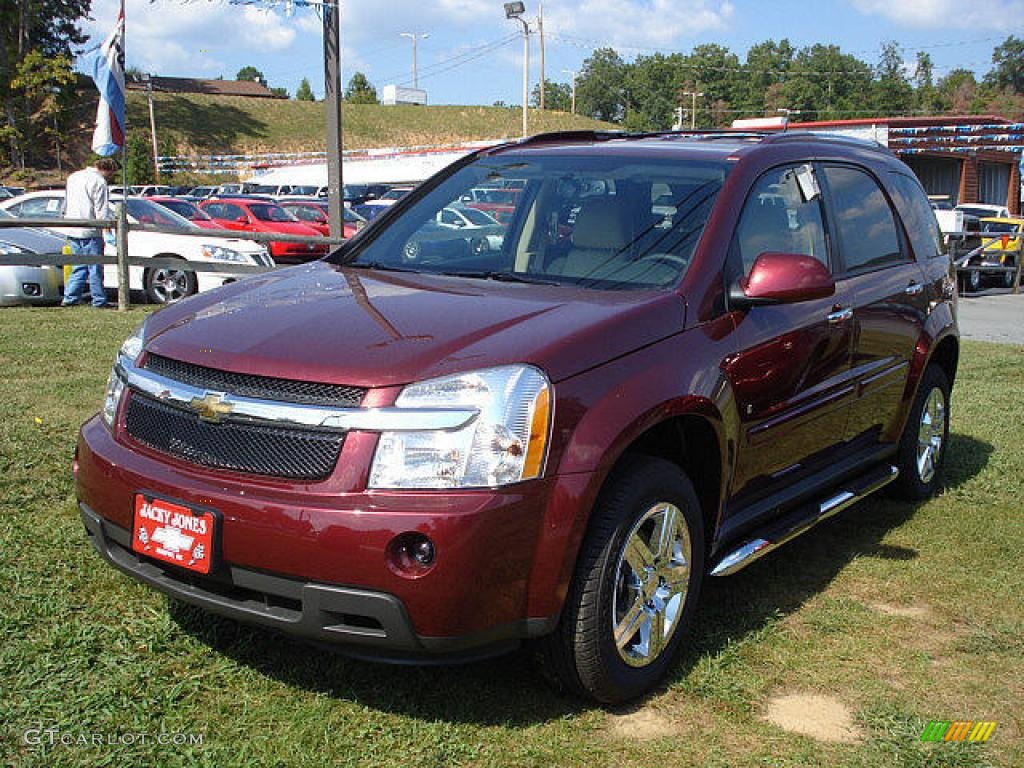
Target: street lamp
{"x":413,"y":36}
{"x":516,"y":11}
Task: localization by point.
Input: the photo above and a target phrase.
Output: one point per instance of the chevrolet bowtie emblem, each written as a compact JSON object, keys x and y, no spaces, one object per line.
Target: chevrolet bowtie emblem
{"x":211,"y":407}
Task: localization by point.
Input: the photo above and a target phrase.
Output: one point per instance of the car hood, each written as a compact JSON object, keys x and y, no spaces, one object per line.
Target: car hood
{"x":321,"y":322}
{"x":32,"y":239}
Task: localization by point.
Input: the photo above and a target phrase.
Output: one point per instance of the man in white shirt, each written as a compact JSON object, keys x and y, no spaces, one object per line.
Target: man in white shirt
{"x":86,"y":197}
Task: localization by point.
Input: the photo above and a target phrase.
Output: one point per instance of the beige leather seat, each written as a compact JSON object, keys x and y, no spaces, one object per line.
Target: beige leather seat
{"x":601,"y":241}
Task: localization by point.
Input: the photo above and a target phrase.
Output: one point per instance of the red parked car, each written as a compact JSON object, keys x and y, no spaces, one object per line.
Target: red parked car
{"x":687,"y":350}
{"x":264,"y":216}
{"x":314,"y":213}
{"x":189,"y":210}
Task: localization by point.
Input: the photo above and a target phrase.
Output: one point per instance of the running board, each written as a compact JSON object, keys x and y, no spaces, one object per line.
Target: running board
{"x":804,"y":519}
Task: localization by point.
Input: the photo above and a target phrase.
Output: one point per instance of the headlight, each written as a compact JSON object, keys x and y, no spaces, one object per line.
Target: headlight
{"x":10,"y":249}
{"x":132,"y":346}
{"x":115,"y":388}
{"x":130,"y":350}
{"x":505,"y":443}
{"x":219,"y":253}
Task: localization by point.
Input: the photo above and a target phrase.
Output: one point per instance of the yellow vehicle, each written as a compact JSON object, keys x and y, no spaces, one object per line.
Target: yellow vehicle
{"x":1001,"y":247}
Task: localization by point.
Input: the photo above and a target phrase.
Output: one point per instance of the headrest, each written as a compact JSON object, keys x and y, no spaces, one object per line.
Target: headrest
{"x":603,"y":224}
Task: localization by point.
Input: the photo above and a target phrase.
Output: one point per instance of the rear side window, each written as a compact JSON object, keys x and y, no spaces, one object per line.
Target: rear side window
{"x":863,"y":220}
{"x":778,"y":218}
{"x":918,"y":216}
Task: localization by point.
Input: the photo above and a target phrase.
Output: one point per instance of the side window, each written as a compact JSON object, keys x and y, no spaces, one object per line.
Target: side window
{"x":232,"y":212}
{"x":918,"y":217}
{"x":216,"y":210}
{"x":863,"y":219}
{"x":782,"y":215}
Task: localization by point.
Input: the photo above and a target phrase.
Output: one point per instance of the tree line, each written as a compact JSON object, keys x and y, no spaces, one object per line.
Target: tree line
{"x":817,"y":82}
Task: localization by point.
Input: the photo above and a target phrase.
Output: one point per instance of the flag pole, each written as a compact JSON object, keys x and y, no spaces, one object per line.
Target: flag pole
{"x":123,"y":286}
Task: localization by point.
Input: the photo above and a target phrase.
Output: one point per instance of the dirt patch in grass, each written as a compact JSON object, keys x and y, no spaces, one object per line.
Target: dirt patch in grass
{"x":820,"y":717}
{"x":916,"y":611}
{"x":641,"y":724}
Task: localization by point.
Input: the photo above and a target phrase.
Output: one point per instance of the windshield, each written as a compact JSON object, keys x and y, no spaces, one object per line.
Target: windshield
{"x":270,"y":213}
{"x":980,"y":212}
{"x":612,"y":222}
{"x":1000,"y":227}
{"x":186,"y":209}
{"x":146,"y":212}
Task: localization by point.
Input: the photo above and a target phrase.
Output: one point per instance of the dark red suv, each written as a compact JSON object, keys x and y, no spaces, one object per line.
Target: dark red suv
{"x":680,"y":352}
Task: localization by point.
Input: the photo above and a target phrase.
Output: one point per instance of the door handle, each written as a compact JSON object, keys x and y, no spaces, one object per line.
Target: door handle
{"x":914,"y":289}
{"x":840,"y":316}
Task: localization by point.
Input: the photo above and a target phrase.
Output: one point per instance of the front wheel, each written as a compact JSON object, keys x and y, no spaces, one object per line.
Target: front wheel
{"x":166,"y":286}
{"x":635,"y":588}
{"x":922,"y":449}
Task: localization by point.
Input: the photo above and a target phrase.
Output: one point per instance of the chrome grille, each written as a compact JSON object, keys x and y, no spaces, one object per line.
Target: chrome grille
{"x":262,"y":387}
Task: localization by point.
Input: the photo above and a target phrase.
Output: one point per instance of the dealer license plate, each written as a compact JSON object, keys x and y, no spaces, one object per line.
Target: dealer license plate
{"x":173,"y":533}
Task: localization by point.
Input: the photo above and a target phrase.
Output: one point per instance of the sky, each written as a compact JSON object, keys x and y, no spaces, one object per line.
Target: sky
{"x":473,"y":54}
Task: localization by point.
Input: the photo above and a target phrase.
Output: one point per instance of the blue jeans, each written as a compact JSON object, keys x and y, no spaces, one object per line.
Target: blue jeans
{"x":82,"y":273}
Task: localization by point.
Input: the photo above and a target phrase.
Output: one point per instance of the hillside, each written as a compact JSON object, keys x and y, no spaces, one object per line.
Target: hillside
{"x":204,"y":124}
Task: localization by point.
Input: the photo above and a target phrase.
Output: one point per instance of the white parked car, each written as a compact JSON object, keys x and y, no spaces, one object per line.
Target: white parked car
{"x":29,"y":284}
{"x":985,"y":210}
{"x":161,"y":284}
{"x":485,"y":231}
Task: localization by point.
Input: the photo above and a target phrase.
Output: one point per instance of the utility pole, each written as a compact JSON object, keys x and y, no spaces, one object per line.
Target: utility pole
{"x":332,"y":103}
{"x":572,"y":74}
{"x":693,"y":112}
{"x":516,"y":11}
{"x":413,"y":36}
{"x":540,"y":31}
{"x":152,"y":126}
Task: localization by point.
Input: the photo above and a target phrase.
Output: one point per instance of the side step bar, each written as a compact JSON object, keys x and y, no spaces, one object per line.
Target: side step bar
{"x":803,"y":519}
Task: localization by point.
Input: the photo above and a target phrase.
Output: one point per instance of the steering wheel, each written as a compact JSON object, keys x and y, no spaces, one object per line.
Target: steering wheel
{"x":667,"y":258}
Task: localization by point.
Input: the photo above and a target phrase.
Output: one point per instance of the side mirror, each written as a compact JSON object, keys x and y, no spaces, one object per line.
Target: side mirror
{"x":782,"y":278}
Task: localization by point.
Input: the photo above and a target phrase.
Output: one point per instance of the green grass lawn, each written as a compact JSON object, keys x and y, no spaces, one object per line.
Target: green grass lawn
{"x":902,"y":613}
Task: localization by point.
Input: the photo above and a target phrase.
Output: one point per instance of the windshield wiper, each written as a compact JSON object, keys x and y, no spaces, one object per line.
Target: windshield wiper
{"x":377,"y":265}
{"x":502,"y":277}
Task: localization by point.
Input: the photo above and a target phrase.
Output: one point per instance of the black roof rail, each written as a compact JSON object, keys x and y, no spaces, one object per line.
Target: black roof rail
{"x":852,"y":141}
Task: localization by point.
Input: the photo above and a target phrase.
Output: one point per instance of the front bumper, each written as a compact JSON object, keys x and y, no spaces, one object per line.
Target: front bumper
{"x":297,"y":556}
{"x":30,"y":285}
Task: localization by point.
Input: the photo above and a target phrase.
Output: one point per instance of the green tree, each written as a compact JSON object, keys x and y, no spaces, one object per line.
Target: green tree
{"x":139,"y":159}
{"x":1009,"y":65}
{"x":764,"y":72}
{"x":280,"y":92}
{"x":601,"y":86}
{"x":652,"y":86}
{"x":52,"y":29}
{"x":43,"y":83}
{"x":360,"y":91}
{"x":957,"y":91}
{"x":892,"y":92}
{"x":250,"y":73}
{"x":826,"y":84}
{"x":304,"y":92}
{"x":557,"y":96}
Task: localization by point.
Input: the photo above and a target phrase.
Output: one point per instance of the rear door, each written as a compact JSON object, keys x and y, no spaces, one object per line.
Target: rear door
{"x":889,"y":295}
{"x":790,"y":372}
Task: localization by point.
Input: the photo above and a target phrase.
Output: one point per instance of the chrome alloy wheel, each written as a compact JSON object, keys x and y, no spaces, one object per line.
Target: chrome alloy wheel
{"x":652,"y":579}
{"x":169,"y":285}
{"x":930,"y":434}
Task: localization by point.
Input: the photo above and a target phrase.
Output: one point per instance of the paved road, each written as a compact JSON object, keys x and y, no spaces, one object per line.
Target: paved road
{"x":993,"y":317}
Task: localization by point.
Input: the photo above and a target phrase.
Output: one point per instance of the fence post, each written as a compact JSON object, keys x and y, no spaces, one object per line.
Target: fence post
{"x":1020,"y":254}
{"x":123,"y":287}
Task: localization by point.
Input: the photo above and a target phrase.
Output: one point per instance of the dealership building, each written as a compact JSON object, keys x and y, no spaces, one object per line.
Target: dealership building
{"x":968,"y":159}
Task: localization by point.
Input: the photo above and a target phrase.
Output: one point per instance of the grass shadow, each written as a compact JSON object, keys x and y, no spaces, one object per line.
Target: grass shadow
{"x":515,"y":693}
{"x":222,"y":122}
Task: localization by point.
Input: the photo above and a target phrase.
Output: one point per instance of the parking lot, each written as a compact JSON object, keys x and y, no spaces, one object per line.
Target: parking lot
{"x":994,"y":315}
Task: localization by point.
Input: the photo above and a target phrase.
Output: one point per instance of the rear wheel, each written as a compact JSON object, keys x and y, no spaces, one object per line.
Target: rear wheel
{"x":166,"y":285}
{"x":1008,"y":277}
{"x":922,"y":450}
{"x":973,"y":280}
{"x":636,"y":584}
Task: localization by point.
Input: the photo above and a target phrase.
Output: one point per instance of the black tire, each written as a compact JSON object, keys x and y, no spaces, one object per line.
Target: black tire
{"x":582,"y":655}
{"x":913,"y":483}
{"x":974,"y":280}
{"x":1009,"y":277}
{"x":166,"y":286}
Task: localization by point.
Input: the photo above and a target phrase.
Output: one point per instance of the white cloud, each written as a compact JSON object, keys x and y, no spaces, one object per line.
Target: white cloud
{"x":996,"y":15}
{"x":194,"y":38}
{"x":644,"y":23}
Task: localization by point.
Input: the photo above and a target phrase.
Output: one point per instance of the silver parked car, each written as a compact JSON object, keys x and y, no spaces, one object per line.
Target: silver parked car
{"x":27,"y":284}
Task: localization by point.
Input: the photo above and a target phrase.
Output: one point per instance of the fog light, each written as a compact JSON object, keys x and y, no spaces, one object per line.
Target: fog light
{"x":411,"y":555}
{"x":31,"y":289}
